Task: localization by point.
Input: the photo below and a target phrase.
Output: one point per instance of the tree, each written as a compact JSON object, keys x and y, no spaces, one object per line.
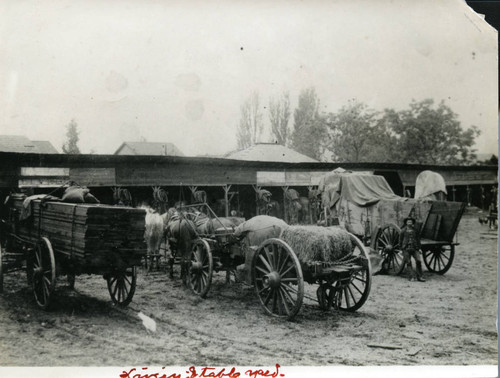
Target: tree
{"x":72,"y":137}
{"x":356,"y":134}
{"x":426,"y":134}
{"x":279,"y":115}
{"x":309,"y":129}
{"x":250,"y":126}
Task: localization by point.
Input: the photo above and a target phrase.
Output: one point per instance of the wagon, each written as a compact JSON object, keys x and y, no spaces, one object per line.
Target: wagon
{"x":49,"y":239}
{"x":365,"y":205}
{"x":277,"y":274}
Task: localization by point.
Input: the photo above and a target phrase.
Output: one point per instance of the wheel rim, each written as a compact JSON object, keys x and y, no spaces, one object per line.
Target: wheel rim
{"x":44,"y":273}
{"x":278,"y":279}
{"x":121,"y":286}
{"x":353,"y":295}
{"x":439,"y":259}
{"x":200,"y":268}
{"x":387,"y":246}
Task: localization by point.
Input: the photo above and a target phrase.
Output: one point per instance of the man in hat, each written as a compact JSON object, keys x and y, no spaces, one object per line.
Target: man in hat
{"x":409,"y":240}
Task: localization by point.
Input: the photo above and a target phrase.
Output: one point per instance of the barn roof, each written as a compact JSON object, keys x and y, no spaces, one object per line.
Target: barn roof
{"x":270,"y":152}
{"x":20,"y":143}
{"x":148,"y":148}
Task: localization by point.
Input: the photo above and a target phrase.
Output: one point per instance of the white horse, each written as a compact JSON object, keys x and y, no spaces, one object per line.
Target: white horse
{"x":153,"y":235}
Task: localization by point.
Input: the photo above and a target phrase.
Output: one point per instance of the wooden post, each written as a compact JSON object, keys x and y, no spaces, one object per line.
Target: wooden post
{"x":285,"y":212}
{"x":256,"y":188}
{"x":226,"y":198}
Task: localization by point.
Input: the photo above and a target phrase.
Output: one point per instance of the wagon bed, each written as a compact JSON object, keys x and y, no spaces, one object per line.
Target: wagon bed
{"x":51,"y":238}
{"x":91,"y":235}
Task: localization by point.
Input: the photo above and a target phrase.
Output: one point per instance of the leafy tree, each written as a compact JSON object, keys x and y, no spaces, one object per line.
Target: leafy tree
{"x":309,"y":129}
{"x":250,"y":126}
{"x":72,"y":137}
{"x":279,"y":115}
{"x":426,"y":134}
{"x":356,"y":134}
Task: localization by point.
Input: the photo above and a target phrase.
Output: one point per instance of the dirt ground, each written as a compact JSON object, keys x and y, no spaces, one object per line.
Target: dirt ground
{"x":448,"y":320}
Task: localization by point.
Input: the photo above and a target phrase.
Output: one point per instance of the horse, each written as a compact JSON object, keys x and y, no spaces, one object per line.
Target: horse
{"x":153,"y":235}
{"x":180,"y":233}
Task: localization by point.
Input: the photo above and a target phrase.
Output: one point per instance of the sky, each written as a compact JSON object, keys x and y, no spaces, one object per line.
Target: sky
{"x":171,"y":71}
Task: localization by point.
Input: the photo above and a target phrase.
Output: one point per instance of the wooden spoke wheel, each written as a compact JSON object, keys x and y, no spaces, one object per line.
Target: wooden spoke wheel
{"x":387,"y":246}
{"x":353,"y":295}
{"x":200,"y":268}
{"x":439,"y":259}
{"x":43,"y":273}
{"x":278,"y":279}
{"x":121,"y":285}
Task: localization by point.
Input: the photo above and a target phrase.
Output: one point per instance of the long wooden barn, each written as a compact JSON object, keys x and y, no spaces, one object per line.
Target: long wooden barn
{"x":235,"y":180}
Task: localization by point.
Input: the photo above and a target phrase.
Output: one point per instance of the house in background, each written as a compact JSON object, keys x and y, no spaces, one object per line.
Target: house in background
{"x":148,"y":148}
{"x":270,"y":152}
{"x":19,"y":143}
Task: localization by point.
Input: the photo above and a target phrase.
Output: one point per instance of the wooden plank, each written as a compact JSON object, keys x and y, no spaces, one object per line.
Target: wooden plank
{"x":184,"y":174}
{"x":44,"y":171}
{"x":93,"y":176}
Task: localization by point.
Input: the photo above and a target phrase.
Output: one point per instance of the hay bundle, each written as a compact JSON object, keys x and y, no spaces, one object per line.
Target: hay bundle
{"x":313,"y":243}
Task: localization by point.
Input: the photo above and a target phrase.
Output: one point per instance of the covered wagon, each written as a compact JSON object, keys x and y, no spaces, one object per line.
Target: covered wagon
{"x":365,"y":205}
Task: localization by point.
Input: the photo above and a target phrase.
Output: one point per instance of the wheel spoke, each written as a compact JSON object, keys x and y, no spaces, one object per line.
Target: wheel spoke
{"x":275,"y":295}
{"x":269,"y":261}
{"x":356,"y":277}
{"x":263,"y":289}
{"x":352,"y":295}
{"x":268,"y":297}
{"x":115,"y":288}
{"x":348,"y":301}
{"x":283,"y":300}
{"x":283,"y":264}
{"x":291,"y":280}
{"x":289,"y":269}
{"x":287,"y":294}
{"x":353,"y":285}
{"x":265,"y":263}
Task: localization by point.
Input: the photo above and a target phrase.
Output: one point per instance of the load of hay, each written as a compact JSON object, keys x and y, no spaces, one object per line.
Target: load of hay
{"x":313,"y":243}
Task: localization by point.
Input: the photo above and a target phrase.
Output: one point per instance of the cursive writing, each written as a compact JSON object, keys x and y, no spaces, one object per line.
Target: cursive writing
{"x":267,"y":373}
{"x":204,"y":372}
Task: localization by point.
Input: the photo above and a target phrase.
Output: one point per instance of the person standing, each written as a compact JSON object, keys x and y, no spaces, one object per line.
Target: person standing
{"x":409,"y":240}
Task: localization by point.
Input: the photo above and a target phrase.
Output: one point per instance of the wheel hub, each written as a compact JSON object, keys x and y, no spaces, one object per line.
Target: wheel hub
{"x":196,"y":266}
{"x":389,"y":248}
{"x":272,"y":280}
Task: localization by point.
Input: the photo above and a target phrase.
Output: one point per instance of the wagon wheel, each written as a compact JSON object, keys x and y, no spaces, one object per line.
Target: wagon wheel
{"x":43,"y":273}
{"x":121,"y":285}
{"x":278,"y":279}
{"x":201,"y":268}
{"x":387,"y":246}
{"x":353,"y":295}
{"x":439,"y":259}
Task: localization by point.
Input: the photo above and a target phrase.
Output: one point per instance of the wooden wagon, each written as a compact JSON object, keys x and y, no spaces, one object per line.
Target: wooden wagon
{"x":277,"y":274}
{"x":50,"y":239}
{"x":365,"y":205}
